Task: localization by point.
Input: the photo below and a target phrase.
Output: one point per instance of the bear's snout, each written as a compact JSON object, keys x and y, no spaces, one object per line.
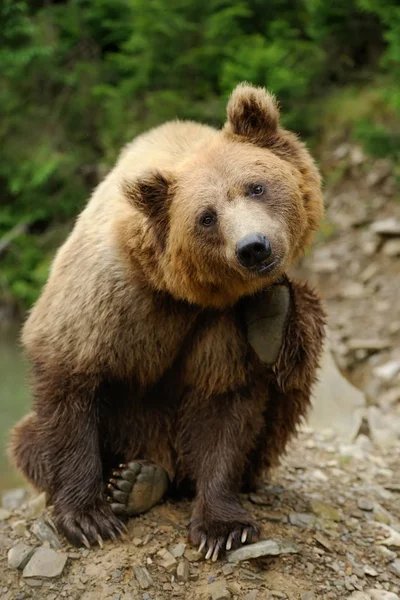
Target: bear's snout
{"x":253,"y":250}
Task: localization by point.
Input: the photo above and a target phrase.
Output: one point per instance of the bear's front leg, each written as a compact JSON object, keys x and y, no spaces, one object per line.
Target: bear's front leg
{"x":218,"y":435}
{"x":64,"y":435}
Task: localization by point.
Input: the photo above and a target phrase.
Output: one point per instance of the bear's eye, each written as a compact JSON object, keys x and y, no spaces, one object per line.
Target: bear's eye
{"x":208,"y":219}
{"x":256,"y":189}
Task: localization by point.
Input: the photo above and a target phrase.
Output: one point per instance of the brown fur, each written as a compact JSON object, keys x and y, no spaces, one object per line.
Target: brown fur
{"x":138,"y":343}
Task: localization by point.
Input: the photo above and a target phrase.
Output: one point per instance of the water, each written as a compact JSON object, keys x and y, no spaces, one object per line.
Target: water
{"x":14,"y":398}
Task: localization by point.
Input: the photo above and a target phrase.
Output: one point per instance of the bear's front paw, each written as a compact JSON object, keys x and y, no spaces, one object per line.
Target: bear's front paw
{"x":266,"y":317}
{"x":214,"y":536}
{"x":88,"y":525}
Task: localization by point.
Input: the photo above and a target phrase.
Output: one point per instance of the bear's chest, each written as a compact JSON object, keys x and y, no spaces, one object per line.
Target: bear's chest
{"x":217,"y":358}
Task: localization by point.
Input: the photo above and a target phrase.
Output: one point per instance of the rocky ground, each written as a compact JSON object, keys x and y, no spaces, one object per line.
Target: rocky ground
{"x":333,"y":509}
{"x":331,"y":512}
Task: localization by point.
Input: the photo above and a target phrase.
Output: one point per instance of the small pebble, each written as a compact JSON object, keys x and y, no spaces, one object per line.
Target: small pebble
{"x":364,"y":504}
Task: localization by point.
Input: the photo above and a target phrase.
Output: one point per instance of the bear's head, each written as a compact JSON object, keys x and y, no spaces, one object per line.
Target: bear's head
{"x":236,"y":213}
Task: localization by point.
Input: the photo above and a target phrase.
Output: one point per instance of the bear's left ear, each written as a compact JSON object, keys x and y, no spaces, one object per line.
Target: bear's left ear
{"x":149,"y":193}
{"x":253,"y":114}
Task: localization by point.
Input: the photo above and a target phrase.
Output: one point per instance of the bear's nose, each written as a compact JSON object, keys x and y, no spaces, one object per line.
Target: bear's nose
{"x":253,"y":250}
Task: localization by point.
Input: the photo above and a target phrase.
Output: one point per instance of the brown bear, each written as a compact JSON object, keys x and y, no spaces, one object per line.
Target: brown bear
{"x":168,"y":347}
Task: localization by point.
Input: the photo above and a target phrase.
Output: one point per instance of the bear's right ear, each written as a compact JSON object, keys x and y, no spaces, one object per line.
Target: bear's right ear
{"x":253,"y":114}
{"x":149,"y":193}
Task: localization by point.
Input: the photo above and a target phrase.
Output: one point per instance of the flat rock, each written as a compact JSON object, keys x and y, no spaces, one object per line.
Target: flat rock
{"x":388,"y":370}
{"x":264,"y":548}
{"x":13,"y":499}
{"x":394,"y":567}
{"x":382,"y":595}
{"x":359,"y":596}
{"x":45,"y":563}
{"x":389,"y":226}
{"x":143,"y":576}
{"x":304,"y":520}
{"x":19,"y":555}
{"x":45,"y":533}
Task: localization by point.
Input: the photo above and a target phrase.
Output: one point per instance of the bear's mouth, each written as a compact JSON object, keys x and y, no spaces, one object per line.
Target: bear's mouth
{"x":264,"y":267}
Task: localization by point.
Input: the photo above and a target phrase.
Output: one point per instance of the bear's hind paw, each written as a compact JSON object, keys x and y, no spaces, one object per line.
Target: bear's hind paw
{"x":136,"y":487}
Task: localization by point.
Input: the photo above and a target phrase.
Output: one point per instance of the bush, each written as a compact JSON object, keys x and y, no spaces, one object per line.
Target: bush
{"x":80,"y":78}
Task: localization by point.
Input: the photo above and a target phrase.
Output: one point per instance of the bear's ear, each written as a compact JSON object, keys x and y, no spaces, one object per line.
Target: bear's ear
{"x":253,"y":114}
{"x":149,"y":193}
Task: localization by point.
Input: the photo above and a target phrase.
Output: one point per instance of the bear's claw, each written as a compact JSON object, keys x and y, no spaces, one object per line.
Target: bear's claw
{"x":136,"y":487}
{"x":234,"y":536}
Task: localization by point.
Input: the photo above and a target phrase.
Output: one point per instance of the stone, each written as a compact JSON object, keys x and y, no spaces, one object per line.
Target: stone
{"x":392,"y":248}
{"x":381,"y":595}
{"x":369,"y":344}
{"x":192,"y":555}
{"x":20,"y":527}
{"x":45,"y":533}
{"x":384,"y":428}
{"x":359,"y":596}
{"x":19,"y":555}
{"x":251,"y":595}
{"x":45,"y":563}
{"x":178,"y":550}
{"x":323,"y":541}
{"x":13,"y":499}
{"x":370,"y":571}
{"x":143,"y":577}
{"x":227,"y":569}
{"x":394,"y":567}
{"x":388,"y":370}
{"x":4,"y":514}
{"x":393,"y":538}
{"x":386,"y":227}
{"x":182,"y":571}
{"x":264,"y":548}
{"x":36,"y":506}
{"x":353,"y":290}
{"x":219,"y":591}
{"x":325,"y":511}
{"x":364,"y":504}
{"x":168,"y":562}
{"x":307,"y":596}
{"x":304,"y":520}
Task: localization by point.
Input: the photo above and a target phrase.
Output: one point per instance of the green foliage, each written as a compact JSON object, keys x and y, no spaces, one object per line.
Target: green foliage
{"x":80,"y":78}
